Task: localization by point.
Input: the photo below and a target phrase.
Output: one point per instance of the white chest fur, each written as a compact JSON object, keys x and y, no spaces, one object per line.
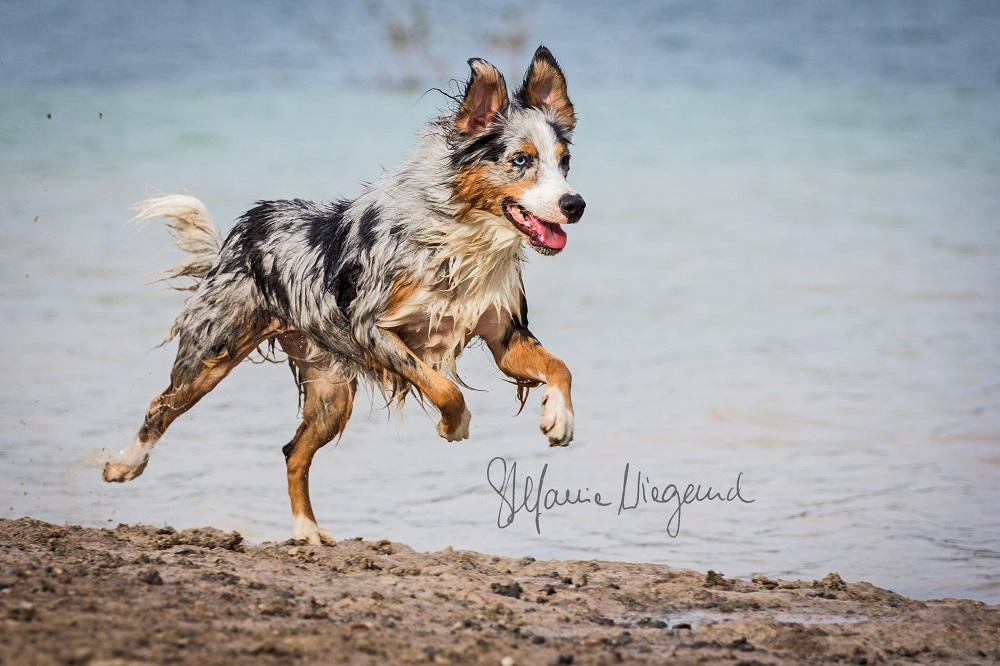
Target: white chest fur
{"x":477,"y":270}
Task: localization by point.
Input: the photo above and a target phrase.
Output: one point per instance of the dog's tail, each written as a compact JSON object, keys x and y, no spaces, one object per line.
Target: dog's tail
{"x":193,"y":231}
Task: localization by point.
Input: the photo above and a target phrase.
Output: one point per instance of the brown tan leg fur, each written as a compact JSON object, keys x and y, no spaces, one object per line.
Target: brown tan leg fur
{"x":328,"y":399}
{"x":179,"y":398}
{"x":524,"y":358}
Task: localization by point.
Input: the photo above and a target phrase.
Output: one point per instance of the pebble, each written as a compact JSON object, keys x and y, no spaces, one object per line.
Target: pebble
{"x":23,"y":612}
{"x":512,"y":589}
{"x":150,"y":577}
{"x":508,"y":661}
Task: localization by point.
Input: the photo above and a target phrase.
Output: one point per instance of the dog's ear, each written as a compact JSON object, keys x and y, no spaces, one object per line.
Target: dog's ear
{"x":485,"y":97}
{"x":544,"y":87}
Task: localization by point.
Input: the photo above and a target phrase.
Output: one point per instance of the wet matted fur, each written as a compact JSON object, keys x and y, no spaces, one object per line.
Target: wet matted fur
{"x":390,"y":287}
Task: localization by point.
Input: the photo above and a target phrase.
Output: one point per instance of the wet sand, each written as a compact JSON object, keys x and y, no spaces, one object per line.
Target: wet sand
{"x":139,"y":594}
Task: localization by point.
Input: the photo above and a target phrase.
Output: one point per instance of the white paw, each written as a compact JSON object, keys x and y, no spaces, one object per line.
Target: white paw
{"x":307,"y":530}
{"x":557,"y":418}
{"x":460,"y":430}
{"x":130,"y":463}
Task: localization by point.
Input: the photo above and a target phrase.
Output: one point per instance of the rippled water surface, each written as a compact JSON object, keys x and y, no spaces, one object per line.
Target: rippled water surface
{"x":788,"y":274}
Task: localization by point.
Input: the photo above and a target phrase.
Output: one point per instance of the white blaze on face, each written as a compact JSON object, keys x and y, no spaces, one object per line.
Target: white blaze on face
{"x":542,"y":199}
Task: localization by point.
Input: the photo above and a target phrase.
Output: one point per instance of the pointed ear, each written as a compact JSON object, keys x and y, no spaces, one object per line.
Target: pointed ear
{"x":544,"y":87}
{"x":485,"y":97}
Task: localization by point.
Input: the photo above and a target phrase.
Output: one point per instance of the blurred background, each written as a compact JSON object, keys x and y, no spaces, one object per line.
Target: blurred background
{"x":789,"y":269}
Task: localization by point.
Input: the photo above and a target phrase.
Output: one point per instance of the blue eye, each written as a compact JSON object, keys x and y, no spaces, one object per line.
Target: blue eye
{"x":520,"y":160}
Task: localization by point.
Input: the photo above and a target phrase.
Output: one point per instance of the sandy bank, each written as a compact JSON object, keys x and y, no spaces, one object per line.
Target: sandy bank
{"x":142,"y":595}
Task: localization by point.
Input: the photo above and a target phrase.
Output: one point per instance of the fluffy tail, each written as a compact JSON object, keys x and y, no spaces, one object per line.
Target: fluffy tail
{"x":193,"y":231}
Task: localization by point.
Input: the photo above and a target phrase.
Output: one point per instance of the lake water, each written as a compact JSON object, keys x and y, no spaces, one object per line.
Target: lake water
{"x":788,"y":273}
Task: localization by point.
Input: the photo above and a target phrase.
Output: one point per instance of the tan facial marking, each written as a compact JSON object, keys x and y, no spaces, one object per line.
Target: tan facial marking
{"x":478,"y":192}
{"x":528,"y":148}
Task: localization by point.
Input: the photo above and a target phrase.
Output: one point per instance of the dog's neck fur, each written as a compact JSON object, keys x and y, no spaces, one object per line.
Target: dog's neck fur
{"x":473,"y":266}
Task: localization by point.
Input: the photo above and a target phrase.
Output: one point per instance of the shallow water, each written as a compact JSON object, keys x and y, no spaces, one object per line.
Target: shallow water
{"x":795,"y":281}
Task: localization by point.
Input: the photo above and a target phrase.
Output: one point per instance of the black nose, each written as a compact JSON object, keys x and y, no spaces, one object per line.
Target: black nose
{"x":572,"y":206}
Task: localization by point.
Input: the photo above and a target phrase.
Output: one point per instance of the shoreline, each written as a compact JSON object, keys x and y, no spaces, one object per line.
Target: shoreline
{"x":139,"y":594}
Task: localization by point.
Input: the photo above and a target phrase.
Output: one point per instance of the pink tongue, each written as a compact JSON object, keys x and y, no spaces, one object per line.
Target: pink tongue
{"x":551,"y":235}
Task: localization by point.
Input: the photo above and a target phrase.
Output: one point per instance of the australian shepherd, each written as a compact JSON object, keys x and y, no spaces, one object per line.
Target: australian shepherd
{"x":388,"y":288}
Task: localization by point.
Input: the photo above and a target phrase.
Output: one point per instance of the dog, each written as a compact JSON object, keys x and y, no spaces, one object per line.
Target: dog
{"x":390,"y":287}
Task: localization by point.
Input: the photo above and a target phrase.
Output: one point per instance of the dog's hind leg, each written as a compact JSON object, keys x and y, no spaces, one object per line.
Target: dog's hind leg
{"x":328,"y":398}
{"x":185,"y":390}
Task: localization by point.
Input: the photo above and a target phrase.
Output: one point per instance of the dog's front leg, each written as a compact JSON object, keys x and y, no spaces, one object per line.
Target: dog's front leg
{"x":521,"y":356}
{"x":388,"y":351}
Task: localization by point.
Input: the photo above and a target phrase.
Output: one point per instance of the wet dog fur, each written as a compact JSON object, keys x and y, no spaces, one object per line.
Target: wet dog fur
{"x":390,"y":287}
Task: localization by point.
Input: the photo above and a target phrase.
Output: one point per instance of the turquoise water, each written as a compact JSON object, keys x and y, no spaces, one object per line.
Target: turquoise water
{"x":788,"y":277}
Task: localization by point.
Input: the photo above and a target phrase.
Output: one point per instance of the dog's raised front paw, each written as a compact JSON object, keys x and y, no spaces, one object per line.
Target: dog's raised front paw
{"x":458,"y":429}
{"x":557,"y":418}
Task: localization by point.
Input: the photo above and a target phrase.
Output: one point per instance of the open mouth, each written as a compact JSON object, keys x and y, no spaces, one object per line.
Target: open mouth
{"x":544,"y":237}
